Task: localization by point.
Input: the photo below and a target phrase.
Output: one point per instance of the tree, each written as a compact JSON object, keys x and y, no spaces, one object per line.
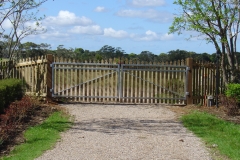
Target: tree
{"x":132,"y":56}
{"x":30,"y":49}
{"x":64,"y":52}
{"x":111,"y":52}
{"x":176,"y":55}
{"x":216,"y":21}
{"x":107,"y":52}
{"x":79,"y":53}
{"x":20,"y":15}
{"x":146,"y":56}
{"x":119,"y":52}
{"x":163,"y":57}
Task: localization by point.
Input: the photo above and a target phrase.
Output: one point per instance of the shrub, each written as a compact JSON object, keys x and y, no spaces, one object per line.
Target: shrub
{"x":230,"y":104}
{"x":14,"y":115}
{"x":10,"y":90}
{"x":233,"y":91}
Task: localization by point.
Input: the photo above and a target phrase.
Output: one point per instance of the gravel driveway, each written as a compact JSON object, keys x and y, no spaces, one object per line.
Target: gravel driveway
{"x":126,"y":132}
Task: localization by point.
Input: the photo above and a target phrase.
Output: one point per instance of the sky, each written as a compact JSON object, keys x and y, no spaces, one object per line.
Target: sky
{"x":133,"y":25}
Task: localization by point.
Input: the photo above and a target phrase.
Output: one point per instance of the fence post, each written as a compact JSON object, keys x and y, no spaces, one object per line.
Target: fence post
{"x":189,"y":78}
{"x":50,"y":60}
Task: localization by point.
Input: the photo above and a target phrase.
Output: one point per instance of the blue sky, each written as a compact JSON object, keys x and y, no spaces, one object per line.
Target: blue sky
{"x":133,"y":25}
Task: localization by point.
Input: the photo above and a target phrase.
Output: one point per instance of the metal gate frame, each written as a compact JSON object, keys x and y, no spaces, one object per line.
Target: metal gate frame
{"x":120,"y":69}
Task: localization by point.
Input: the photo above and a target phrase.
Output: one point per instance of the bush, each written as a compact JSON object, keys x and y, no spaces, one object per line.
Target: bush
{"x":233,"y":91}
{"x":13,"y":116}
{"x":230,"y":104}
{"x":10,"y":90}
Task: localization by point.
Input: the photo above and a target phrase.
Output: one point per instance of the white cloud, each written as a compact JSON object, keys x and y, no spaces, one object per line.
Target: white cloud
{"x":152,"y":15}
{"x":66,"y":18}
{"x":148,"y":3}
{"x":54,"y":34}
{"x":109,"y":32}
{"x":100,"y":9}
{"x":151,"y":36}
{"x":7,"y":24}
{"x":35,"y":25}
{"x":91,"y":30}
{"x":167,"y":36}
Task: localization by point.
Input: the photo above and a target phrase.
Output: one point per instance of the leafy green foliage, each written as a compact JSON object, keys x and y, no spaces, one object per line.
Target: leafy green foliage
{"x":233,"y":91}
{"x":217,"y":22}
{"x":10,"y":90}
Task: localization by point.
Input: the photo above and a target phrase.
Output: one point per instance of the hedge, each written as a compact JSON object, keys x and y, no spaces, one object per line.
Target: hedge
{"x":10,"y":90}
{"x":233,"y":91}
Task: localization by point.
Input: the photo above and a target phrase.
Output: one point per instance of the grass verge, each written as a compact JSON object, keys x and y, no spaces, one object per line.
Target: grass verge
{"x":41,"y":137}
{"x":216,"y":132}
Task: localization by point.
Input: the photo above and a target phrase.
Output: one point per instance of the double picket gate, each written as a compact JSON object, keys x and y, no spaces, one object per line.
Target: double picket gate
{"x":119,"y":83}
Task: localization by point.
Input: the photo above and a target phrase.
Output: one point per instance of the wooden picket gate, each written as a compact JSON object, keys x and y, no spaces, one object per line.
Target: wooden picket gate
{"x":87,"y":82}
{"x":125,"y":83}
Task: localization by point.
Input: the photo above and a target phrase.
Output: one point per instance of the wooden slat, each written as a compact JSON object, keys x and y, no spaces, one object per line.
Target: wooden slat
{"x":169,"y":84}
{"x":84,"y":85}
{"x":144,"y":84}
{"x":156,"y":85}
{"x":91,"y":84}
{"x":94,"y":74}
{"x":116,"y":84}
{"x":147,"y":85}
{"x":112,"y":86}
{"x":152,"y":87}
{"x":131,"y":85}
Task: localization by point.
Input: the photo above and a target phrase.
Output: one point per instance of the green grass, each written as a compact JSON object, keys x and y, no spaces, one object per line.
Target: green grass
{"x":41,"y":137}
{"x":215,"y":131}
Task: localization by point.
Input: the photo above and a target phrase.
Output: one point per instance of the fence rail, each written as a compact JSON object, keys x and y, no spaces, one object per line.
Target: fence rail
{"x":37,"y":73}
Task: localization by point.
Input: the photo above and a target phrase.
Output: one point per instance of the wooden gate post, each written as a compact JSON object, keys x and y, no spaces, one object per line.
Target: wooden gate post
{"x":50,"y":60}
{"x":189,"y":78}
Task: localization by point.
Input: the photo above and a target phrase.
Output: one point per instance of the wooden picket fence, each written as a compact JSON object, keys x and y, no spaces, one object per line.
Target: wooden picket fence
{"x":37,"y":73}
{"x":33,"y":71}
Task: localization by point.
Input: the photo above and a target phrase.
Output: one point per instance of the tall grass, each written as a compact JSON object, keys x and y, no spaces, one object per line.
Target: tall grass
{"x":40,"y":138}
{"x":225,"y":135}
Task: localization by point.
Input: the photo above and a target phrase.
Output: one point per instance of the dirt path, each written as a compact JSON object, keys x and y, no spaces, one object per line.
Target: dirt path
{"x":126,"y":132}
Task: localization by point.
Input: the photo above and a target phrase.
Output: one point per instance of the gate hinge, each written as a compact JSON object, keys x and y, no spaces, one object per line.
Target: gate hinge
{"x":51,"y":90}
{"x":188,"y":69}
{"x":51,"y":65}
{"x":187,"y":93}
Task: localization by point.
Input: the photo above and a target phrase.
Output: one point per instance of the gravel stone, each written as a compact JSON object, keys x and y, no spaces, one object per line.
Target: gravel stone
{"x":126,"y":132}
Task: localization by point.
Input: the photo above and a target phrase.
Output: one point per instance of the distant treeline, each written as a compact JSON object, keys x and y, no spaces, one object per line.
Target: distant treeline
{"x":30,"y":49}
